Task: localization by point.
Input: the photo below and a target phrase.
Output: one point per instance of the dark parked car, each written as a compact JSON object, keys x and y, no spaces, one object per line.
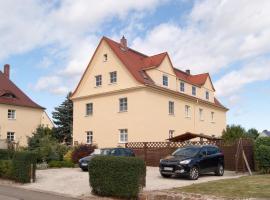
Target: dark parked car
{"x":83,"y":162}
{"x":192,"y":161}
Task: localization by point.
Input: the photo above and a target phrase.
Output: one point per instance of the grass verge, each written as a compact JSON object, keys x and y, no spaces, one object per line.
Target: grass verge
{"x":257,"y":186}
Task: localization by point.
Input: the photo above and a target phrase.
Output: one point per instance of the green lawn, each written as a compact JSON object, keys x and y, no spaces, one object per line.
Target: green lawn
{"x":257,"y":186}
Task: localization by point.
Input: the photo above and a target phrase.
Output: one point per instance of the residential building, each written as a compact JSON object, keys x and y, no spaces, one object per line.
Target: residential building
{"x":19,"y":115}
{"x":126,"y":96}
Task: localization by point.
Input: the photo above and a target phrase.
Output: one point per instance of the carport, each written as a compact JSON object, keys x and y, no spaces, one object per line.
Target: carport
{"x":190,"y":136}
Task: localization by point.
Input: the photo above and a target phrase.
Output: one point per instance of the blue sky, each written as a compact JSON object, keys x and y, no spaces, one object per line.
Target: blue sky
{"x":49,"y":43}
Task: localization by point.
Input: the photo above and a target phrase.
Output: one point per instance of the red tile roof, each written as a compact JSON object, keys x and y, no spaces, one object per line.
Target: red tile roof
{"x":11,"y":94}
{"x":137,"y":63}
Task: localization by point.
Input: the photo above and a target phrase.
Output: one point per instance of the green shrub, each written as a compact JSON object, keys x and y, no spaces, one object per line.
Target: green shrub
{"x":262,"y":154}
{"x":24,"y":166}
{"x":5,"y":168}
{"x":81,"y":151}
{"x":6,"y":154}
{"x":117,"y":176}
{"x":59,"y":164}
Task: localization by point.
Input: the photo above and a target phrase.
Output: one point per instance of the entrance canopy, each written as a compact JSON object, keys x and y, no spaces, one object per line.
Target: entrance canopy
{"x":188,"y":136}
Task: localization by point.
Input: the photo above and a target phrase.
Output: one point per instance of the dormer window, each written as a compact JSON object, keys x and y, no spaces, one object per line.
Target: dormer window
{"x":105,"y":57}
{"x":207,"y":95}
{"x":165,"y":80}
{"x":193,"y":90}
{"x":9,"y":95}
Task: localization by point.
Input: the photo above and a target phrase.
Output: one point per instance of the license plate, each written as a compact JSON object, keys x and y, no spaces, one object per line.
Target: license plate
{"x":168,"y":168}
{"x":84,"y":164}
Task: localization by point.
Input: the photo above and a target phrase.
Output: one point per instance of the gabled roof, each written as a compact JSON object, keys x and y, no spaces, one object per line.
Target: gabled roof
{"x":138,"y":63}
{"x":12,"y":95}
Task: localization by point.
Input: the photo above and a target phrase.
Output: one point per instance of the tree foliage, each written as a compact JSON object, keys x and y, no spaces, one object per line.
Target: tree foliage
{"x":235,"y":132}
{"x":45,"y":145}
{"x":63,"y":119}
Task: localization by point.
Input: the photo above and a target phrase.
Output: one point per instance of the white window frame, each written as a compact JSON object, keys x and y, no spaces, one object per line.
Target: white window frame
{"x":187,"y":111}
{"x":123,"y":136}
{"x":98,"y":79}
{"x":212,"y":117}
{"x":207,"y":95}
{"x":201,"y":114}
{"x":123,"y":104}
{"x":194,"y":91}
{"x":11,"y":114}
{"x":113,"y":77}
{"x":182,"y":86}
{"x":89,"y":137}
{"x":171,"y":133}
{"x":165,"y":80}
{"x":88,"y":110}
{"x":171,"y":108}
{"x":11,"y":136}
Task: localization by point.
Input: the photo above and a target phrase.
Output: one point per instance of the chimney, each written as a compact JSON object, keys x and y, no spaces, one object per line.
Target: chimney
{"x":123,"y":43}
{"x":6,"y":70}
{"x":188,"y":71}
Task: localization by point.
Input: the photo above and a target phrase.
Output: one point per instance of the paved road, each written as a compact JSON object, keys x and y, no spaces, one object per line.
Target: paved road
{"x":14,"y":193}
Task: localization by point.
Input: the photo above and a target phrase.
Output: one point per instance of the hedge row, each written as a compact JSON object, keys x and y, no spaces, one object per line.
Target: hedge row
{"x":21,"y":166}
{"x":6,"y":154}
{"x":262,"y":154}
{"x":117,"y":176}
{"x":59,"y":164}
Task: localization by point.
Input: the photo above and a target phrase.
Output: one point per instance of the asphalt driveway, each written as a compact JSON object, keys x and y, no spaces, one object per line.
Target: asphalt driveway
{"x":75,"y":183}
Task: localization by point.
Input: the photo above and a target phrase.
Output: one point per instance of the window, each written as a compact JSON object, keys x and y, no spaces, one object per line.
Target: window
{"x":212,"y":116}
{"x":89,"y":137}
{"x":207,"y":95}
{"x":187,"y":111}
{"x":113,"y":77}
{"x":105,"y":57}
{"x":171,"y":132}
{"x":212,"y":150}
{"x":98,"y":80}
{"x":89,"y":109}
{"x":123,"y":136}
{"x":201,"y":114}
{"x":165,"y":80}
{"x":182,"y":87}
{"x":193,"y":90}
{"x":11,"y":114}
{"x":171,"y":107}
{"x":123,"y":105}
{"x":10,"y":136}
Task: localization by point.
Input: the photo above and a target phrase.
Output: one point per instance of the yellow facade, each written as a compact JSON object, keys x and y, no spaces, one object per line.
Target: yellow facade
{"x":25,"y":123}
{"x":147,"y":117}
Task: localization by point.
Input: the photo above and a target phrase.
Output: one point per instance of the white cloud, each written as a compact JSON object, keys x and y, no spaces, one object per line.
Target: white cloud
{"x":216,"y":35}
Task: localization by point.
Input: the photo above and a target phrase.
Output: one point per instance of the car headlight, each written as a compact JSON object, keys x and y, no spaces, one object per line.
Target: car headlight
{"x":185,"y":162}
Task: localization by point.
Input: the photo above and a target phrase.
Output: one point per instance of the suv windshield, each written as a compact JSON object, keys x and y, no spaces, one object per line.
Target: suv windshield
{"x":186,"y":151}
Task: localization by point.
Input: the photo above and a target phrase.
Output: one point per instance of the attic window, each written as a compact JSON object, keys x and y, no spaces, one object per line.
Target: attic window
{"x":105,"y":57}
{"x":9,"y":95}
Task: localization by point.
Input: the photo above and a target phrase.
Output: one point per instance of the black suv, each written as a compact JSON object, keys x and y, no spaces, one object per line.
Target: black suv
{"x":83,"y":162}
{"x":193,"y":161}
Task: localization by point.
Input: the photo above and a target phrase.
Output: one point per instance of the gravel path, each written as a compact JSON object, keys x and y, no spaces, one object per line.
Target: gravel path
{"x":75,"y":183}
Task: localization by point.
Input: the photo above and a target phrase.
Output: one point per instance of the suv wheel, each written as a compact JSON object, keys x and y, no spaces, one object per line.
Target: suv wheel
{"x":220,"y":170}
{"x":165,"y":175}
{"x":194,"y":173}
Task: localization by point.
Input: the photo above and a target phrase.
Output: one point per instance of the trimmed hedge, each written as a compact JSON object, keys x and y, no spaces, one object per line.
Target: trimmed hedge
{"x":24,"y":166}
{"x":6,"y":154}
{"x":262,"y":154}
{"x":59,"y":164}
{"x":6,"y":169}
{"x":117,"y":176}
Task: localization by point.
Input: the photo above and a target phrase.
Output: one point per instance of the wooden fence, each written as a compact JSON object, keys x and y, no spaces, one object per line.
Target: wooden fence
{"x":152,"y":152}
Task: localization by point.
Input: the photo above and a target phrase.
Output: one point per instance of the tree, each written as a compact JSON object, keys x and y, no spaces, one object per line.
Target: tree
{"x":233,"y":133}
{"x":253,"y":133}
{"x":63,"y":119}
{"x":45,"y":145}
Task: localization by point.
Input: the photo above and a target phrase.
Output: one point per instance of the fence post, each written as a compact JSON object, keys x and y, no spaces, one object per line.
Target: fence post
{"x":145,"y":151}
